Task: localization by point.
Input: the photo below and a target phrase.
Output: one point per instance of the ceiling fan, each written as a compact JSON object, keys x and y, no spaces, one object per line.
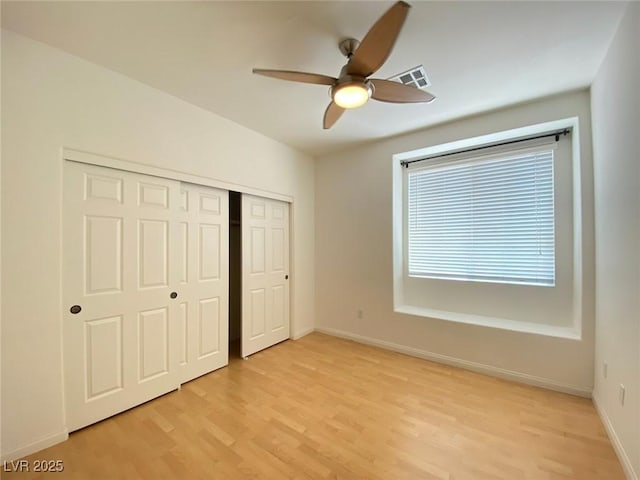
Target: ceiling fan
{"x":353,"y":88}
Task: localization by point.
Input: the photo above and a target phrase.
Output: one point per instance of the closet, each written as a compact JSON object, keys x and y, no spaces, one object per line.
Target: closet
{"x":235,"y":273}
{"x":159,"y":275}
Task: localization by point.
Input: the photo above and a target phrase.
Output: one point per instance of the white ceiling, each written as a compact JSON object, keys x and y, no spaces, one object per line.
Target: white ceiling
{"x":479,"y":55}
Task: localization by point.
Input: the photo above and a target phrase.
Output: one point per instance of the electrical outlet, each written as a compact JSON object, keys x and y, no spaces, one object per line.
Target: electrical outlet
{"x":622,"y":394}
{"x":360,"y":313}
{"x":605,"y":369}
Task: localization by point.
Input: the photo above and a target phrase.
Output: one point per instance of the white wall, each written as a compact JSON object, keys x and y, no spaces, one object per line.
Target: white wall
{"x":615,"y":104}
{"x":354,"y":257}
{"x":53,"y":100}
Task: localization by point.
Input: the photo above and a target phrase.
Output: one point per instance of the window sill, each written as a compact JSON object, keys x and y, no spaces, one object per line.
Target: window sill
{"x":492,"y":322}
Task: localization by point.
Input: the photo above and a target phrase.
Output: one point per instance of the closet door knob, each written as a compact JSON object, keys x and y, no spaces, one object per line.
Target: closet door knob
{"x":75,"y":309}
{"x":286,"y":277}
{"x":173,"y":295}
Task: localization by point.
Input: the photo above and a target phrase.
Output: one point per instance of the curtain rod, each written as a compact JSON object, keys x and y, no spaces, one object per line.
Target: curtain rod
{"x":565,"y":131}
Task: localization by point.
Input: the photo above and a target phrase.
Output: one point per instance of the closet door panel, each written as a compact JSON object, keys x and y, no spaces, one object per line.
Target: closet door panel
{"x":118,"y":316}
{"x":203,"y":229}
{"x":265,"y":273}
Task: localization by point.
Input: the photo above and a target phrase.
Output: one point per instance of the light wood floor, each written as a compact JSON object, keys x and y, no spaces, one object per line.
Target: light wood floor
{"x":323,"y":407}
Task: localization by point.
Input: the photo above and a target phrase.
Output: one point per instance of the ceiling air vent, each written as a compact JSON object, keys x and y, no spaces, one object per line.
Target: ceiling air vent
{"x":416,"y":77}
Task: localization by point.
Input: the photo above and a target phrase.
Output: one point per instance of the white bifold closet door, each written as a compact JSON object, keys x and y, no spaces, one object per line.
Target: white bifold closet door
{"x":145,"y":288}
{"x":265,"y":273}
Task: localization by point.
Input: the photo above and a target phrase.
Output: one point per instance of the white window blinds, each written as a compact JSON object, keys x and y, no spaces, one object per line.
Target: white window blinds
{"x":484,"y":219}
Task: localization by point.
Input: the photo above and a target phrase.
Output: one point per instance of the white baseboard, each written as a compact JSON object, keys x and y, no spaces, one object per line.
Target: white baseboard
{"x":615,"y":441}
{"x":458,"y":362}
{"x":301,"y":334}
{"x":36,"y":446}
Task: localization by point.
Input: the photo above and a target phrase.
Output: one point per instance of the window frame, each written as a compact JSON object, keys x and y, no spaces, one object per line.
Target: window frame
{"x":576,"y":265}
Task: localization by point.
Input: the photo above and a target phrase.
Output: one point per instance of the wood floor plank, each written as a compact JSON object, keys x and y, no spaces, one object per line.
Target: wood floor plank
{"x":327,"y":408}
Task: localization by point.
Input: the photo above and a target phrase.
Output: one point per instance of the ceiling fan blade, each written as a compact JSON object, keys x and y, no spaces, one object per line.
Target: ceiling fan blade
{"x":293,"y":76}
{"x":378,"y":42}
{"x":394,"y":92}
{"x":331,"y":115}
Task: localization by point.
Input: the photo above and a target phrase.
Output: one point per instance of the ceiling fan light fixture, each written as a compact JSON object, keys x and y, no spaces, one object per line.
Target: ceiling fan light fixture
{"x":351,"y":95}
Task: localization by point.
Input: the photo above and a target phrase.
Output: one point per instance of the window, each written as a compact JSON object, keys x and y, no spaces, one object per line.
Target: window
{"x":483,"y":218}
{"x":488,"y":230}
